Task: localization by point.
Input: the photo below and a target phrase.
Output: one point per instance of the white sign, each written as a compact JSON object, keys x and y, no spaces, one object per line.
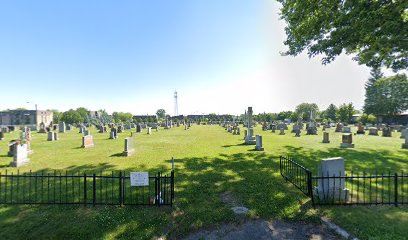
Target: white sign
{"x":139,"y":179}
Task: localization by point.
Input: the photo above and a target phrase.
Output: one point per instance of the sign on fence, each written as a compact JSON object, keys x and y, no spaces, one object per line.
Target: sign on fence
{"x":139,"y":179}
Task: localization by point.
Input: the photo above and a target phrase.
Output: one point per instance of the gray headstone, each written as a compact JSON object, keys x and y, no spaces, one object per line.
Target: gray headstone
{"x":129,"y":147}
{"x":20,"y":157}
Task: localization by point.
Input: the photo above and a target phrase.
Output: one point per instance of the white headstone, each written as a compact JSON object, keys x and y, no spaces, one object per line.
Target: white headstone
{"x":331,"y":188}
{"x":20,"y":157}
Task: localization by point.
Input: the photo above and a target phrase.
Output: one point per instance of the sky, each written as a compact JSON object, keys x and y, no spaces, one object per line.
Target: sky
{"x":130,"y":56}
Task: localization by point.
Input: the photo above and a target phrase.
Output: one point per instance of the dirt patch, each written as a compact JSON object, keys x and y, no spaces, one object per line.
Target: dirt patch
{"x":261,"y":229}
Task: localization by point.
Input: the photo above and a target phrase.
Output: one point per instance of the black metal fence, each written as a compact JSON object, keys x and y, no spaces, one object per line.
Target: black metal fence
{"x":347,"y":189}
{"x":86,"y":189}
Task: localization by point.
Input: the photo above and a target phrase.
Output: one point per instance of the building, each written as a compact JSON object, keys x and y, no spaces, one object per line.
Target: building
{"x":29,"y":118}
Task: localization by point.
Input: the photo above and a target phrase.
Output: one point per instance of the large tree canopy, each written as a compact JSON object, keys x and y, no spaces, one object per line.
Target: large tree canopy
{"x":375,"y":31}
{"x":388,"y":96}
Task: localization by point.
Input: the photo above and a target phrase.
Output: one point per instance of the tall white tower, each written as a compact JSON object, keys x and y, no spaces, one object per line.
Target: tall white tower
{"x":175,"y":103}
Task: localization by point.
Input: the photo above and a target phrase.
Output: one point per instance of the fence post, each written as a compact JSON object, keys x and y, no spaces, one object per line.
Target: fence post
{"x":310,"y":187}
{"x":172,"y":187}
{"x":85,"y":200}
{"x":120,"y":189}
{"x":94,"y":190}
{"x":158,"y":189}
{"x":396,"y":189}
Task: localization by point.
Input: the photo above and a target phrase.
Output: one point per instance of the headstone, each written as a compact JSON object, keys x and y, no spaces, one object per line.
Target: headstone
{"x":238,"y":131}
{"x":61,"y":127}
{"x":250,"y":138}
{"x":339,"y":127}
{"x":42,"y":128}
{"x":273,"y":128}
{"x":258,"y":146}
{"x":282,"y":131}
{"x":405,"y":145}
{"x":55,"y":136}
{"x":157,"y":128}
{"x":120,"y":129}
{"x":12,"y":145}
{"x":102,"y":129}
{"x":331,"y":189}
{"x":139,"y":128}
{"x":347,"y":141}
{"x":81,"y":130}
{"x":87,"y":132}
{"x":129,"y":147}
{"x":69,"y":127}
{"x":87,"y":141}
{"x":50,"y":136}
{"x":149,"y":130}
{"x":326,"y":137}
{"x":185,"y":127}
{"x":1,"y":136}
{"x":20,"y":157}
{"x":373,"y":131}
{"x":360,"y":129}
{"x":297,"y":132}
{"x":404,"y":133}
{"x":386,"y":132}
{"x":346,"y":130}
{"x":311,"y":128}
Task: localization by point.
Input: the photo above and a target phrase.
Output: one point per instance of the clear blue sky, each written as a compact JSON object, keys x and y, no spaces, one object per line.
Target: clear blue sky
{"x":221,"y":56}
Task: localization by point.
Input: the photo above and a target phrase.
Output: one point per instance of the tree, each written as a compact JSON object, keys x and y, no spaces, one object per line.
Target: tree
{"x":368,"y":118}
{"x":345,"y":112}
{"x":84,"y":113}
{"x":374,"y":32}
{"x":122,"y":117}
{"x":388,"y":96}
{"x":71,"y":116}
{"x":304,"y":110}
{"x":330,"y":112}
{"x":371,"y":92}
{"x":284,"y":115}
{"x":161,"y":113}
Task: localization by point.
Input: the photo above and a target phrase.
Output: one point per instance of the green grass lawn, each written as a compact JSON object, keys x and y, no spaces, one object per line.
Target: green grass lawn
{"x":209,"y":161}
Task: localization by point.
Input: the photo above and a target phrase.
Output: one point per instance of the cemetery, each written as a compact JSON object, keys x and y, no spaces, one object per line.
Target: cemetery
{"x":206,"y":159}
{"x":293,"y":120}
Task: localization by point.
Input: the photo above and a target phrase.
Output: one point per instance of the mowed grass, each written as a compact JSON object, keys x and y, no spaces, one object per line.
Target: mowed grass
{"x":209,"y":161}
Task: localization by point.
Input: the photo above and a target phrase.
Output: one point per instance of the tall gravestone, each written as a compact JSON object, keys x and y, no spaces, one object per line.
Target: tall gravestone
{"x":61,"y":127}
{"x":250,"y":138}
{"x":1,"y":136}
{"x":330,"y":188}
{"x":149,"y":130}
{"x":129,"y":147}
